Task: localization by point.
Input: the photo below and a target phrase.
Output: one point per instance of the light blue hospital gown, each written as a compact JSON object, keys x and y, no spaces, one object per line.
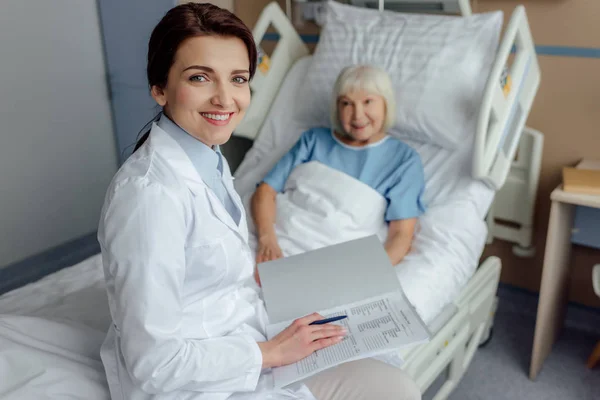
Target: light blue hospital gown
{"x":390,"y":167}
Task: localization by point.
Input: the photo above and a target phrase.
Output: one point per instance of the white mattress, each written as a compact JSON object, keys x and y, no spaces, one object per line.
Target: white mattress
{"x":452,"y":232}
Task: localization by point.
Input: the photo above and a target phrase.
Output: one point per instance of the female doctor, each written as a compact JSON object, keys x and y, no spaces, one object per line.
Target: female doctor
{"x":174,"y":242}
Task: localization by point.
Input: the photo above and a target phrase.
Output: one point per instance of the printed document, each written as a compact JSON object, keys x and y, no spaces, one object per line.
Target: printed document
{"x":377,"y":325}
{"x":354,"y":278}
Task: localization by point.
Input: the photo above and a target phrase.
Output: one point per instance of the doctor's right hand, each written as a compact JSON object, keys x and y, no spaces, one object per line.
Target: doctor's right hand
{"x":299,"y":340}
{"x":268,"y":249}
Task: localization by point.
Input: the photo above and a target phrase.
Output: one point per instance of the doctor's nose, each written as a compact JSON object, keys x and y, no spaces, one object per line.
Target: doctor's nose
{"x":222,"y":97}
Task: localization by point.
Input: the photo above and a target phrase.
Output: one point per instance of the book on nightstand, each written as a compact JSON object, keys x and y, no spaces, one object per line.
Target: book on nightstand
{"x":584,"y":178}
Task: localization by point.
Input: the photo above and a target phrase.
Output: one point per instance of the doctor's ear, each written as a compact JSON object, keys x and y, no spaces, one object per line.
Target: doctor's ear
{"x":159,"y":95}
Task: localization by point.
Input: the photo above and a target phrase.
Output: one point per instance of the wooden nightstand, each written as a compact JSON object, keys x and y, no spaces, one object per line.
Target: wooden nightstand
{"x":555,"y":274}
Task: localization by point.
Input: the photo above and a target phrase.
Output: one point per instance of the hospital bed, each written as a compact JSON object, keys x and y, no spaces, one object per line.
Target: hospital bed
{"x":460,"y":316}
{"x":51,"y":330}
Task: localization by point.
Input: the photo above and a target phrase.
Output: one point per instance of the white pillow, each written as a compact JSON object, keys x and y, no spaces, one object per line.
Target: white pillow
{"x":438,"y":64}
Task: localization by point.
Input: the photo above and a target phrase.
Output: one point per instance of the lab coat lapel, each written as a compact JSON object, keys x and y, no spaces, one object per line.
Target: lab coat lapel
{"x":169,"y":149}
{"x":219,"y":210}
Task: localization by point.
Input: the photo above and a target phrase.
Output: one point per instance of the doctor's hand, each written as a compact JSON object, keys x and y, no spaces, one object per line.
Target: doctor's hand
{"x":268,"y":249}
{"x":299,"y":340}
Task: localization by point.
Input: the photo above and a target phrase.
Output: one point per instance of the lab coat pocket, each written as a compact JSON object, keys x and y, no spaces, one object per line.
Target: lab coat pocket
{"x":206,"y":265}
{"x":205,"y":233}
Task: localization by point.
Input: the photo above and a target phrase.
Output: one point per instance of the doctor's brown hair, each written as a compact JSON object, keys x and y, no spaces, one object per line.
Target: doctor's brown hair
{"x":183,"y":22}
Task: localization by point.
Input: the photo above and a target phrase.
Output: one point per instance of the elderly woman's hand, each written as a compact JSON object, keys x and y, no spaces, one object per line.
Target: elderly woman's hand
{"x":268,"y":249}
{"x":299,"y":340}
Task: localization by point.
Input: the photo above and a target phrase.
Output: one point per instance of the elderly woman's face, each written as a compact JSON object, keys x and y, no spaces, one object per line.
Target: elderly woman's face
{"x":362,"y":114}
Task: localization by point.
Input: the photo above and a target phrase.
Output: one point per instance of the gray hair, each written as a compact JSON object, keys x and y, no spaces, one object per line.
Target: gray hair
{"x":369,"y":79}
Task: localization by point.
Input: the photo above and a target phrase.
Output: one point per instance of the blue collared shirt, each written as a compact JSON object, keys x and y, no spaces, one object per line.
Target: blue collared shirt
{"x":208,"y":163}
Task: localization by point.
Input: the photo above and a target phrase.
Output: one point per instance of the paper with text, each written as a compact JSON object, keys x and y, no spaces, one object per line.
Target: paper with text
{"x":375,"y":326}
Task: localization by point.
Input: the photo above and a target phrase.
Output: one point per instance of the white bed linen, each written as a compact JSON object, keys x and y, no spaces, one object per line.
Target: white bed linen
{"x":44,"y":359}
{"x":56,"y":353}
{"x":50,"y":336}
{"x":439,"y":66}
{"x":322,"y":206}
{"x":76,"y":293}
{"x":452,"y":232}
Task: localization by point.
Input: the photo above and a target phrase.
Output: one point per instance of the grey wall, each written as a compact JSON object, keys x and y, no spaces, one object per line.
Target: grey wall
{"x":57,"y":148}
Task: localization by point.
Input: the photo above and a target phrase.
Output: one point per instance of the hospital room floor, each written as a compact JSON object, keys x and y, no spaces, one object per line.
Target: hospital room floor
{"x":500,"y":369}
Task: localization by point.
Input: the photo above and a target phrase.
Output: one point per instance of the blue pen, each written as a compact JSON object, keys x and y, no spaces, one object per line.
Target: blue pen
{"x":328,"y":320}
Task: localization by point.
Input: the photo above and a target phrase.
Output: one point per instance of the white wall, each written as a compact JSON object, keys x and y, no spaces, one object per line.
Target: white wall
{"x":57,"y":148}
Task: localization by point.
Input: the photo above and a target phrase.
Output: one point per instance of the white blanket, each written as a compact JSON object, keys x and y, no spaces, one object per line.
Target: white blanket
{"x":44,"y":359}
{"x":322,"y":206}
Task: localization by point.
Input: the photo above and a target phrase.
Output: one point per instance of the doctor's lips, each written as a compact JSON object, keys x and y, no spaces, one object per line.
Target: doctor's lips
{"x":218,"y":118}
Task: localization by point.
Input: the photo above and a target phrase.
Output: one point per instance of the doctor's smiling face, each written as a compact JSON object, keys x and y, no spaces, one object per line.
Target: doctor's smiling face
{"x":207,"y":90}
{"x":200,"y":61}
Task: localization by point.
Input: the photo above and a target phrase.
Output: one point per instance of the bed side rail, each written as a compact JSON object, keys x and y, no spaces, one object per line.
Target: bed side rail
{"x":502,"y":116}
{"x":266,"y":83}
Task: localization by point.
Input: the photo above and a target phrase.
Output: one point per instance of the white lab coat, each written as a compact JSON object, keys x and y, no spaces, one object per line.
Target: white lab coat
{"x":186,"y":317}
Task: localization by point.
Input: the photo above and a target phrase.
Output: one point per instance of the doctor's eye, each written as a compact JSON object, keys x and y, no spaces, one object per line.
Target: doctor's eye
{"x":198,"y":78}
{"x":240,"y":80}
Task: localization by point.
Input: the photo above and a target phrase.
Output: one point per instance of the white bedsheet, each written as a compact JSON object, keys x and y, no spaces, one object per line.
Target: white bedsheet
{"x":452,"y":232}
{"x":76,"y":294}
{"x":44,"y":359}
{"x":50,"y":336}
{"x":321,"y":207}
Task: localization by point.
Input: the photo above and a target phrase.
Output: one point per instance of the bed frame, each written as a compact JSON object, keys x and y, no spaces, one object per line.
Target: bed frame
{"x":510,"y":216}
{"x":500,"y":127}
{"x":447,"y":356}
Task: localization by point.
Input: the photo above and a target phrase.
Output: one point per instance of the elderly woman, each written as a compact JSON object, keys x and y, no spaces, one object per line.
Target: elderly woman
{"x":358,"y":145}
